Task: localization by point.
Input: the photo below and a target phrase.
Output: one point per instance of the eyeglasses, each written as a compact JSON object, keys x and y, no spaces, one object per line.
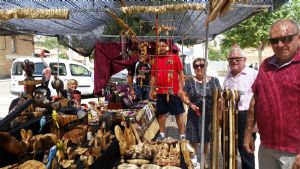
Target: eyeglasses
{"x":197,"y":66}
{"x":238,"y":59}
{"x":285,"y":39}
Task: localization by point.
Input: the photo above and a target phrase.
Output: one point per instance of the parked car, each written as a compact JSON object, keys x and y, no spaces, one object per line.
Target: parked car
{"x":68,"y":69}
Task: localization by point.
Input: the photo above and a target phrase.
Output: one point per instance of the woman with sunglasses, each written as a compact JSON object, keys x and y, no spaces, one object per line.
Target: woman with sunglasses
{"x":192,"y":96}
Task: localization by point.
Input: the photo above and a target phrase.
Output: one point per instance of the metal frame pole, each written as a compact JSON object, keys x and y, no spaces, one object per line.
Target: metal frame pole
{"x":203,"y":100}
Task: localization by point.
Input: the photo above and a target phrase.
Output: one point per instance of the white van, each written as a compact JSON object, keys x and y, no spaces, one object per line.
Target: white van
{"x":68,"y":69}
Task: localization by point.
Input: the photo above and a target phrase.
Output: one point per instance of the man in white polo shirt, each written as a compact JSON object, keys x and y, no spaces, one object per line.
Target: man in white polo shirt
{"x":240,"y":77}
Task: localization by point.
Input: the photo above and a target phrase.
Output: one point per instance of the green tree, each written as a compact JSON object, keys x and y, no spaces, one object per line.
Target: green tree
{"x":215,"y":54}
{"x":63,"y":56}
{"x":135,"y":23}
{"x":50,"y":43}
{"x":254,"y":32}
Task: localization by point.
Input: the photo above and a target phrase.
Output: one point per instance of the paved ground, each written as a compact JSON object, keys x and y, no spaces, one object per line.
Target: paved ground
{"x":172,"y":131}
{"x":5,"y":96}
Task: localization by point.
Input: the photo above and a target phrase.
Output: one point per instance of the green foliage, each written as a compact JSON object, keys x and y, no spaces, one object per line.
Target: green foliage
{"x":215,"y":54}
{"x":292,"y":10}
{"x":250,"y":33}
{"x":48,"y":42}
{"x":135,"y":23}
{"x":63,"y":56}
{"x":254,"y":32}
{"x":188,"y":42}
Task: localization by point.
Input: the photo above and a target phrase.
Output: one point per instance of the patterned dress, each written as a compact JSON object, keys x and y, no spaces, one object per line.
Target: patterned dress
{"x":195,"y":92}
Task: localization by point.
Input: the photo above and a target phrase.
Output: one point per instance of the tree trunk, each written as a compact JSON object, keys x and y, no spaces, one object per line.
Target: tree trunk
{"x":260,"y":49}
{"x":259,"y":56}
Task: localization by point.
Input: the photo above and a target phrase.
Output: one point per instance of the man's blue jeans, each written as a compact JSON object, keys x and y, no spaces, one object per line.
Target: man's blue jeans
{"x":247,"y":158}
{"x":142,"y":93}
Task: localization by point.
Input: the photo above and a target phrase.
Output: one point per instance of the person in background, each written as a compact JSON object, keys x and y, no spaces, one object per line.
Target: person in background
{"x":192,"y":95}
{"x":167,"y":81}
{"x":251,"y":65}
{"x":276,"y":107}
{"x":175,"y":49}
{"x":46,"y":71}
{"x":240,"y":78}
{"x":73,"y":94}
{"x":256,"y":66}
{"x":139,"y":76}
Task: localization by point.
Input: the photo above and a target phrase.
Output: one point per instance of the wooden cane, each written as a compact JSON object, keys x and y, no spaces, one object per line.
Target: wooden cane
{"x":237,"y":99}
{"x":231,"y":131}
{"x":225,"y":130}
{"x":215,"y":132}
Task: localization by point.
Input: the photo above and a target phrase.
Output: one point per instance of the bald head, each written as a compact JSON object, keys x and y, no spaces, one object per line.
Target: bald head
{"x":285,"y":39}
{"x":284,"y":26}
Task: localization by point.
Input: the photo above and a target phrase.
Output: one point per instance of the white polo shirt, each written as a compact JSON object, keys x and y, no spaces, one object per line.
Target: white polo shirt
{"x":242,"y":82}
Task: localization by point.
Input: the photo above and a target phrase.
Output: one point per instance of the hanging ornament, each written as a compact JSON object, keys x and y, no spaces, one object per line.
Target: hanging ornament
{"x":123,"y":46}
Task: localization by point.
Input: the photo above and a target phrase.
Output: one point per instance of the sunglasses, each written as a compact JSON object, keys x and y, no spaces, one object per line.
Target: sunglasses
{"x":285,"y":39}
{"x":199,"y":66}
{"x":238,"y":59}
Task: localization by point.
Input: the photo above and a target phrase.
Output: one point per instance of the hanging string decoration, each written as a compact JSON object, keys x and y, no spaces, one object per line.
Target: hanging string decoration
{"x":163,"y":8}
{"x":143,"y":54}
{"x":220,"y":7}
{"x":32,"y":13}
{"x":119,"y":21}
{"x":123,"y":46}
{"x":163,"y":28}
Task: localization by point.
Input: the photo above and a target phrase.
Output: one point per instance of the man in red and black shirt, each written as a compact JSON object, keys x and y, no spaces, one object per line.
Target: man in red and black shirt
{"x":167,"y":81}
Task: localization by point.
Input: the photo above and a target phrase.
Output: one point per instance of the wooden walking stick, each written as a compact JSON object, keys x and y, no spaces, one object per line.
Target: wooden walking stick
{"x":231,"y":131}
{"x":225,"y":130}
{"x":237,"y":99}
{"x":215,"y":132}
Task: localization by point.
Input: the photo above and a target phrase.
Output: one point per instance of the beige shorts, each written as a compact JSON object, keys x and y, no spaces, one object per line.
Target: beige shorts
{"x":274,"y":159}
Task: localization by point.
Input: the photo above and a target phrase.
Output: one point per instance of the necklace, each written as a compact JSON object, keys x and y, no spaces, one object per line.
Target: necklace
{"x":200,"y":81}
{"x":197,"y":87}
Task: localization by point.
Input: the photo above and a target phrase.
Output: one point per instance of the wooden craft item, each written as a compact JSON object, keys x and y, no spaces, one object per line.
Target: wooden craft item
{"x":127,"y":166}
{"x":122,"y":143}
{"x":151,"y":131}
{"x":64,"y":119}
{"x":66,"y":163}
{"x":186,"y":154}
{"x":214,"y":162}
{"x":230,"y":129}
{"x":30,"y":164}
{"x":150,"y":166}
{"x":166,"y":155}
{"x":11,"y":145}
{"x":76,"y":135}
{"x":138,"y":161}
{"x":16,"y":111}
{"x":29,"y":88}
{"x":129,"y":136}
{"x":170,"y":167}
